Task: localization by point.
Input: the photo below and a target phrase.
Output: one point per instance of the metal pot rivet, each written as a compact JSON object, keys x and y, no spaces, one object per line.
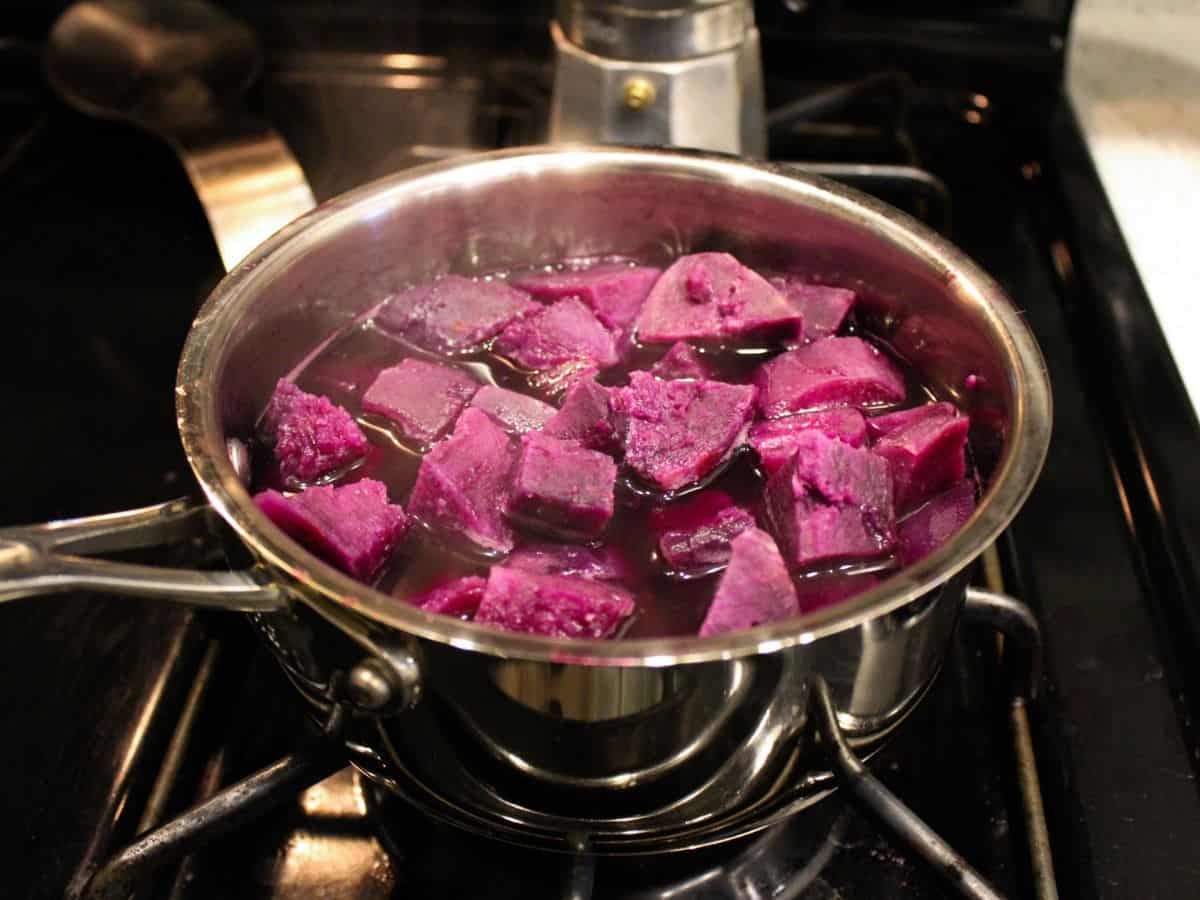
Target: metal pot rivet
{"x":370,"y":686}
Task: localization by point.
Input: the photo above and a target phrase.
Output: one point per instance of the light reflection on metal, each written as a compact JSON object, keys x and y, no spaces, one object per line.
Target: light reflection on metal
{"x":337,"y":797}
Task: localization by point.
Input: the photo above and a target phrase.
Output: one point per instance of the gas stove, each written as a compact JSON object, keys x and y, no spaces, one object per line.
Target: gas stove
{"x":125,"y":715}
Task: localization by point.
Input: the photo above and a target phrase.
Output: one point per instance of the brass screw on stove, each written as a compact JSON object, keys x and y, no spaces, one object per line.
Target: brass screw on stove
{"x":639,"y":92}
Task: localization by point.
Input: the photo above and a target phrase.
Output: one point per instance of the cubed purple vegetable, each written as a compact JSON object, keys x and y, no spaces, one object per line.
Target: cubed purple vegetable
{"x":878,"y":426}
{"x":933,"y":524}
{"x":454,"y":314}
{"x":552,"y":605}
{"x":589,"y":415}
{"x":831,"y":502}
{"x":562,"y":333}
{"x":460,"y":597}
{"x":352,"y":527}
{"x":927,"y":454}
{"x":516,"y":413}
{"x":775,"y":439}
{"x":712,"y":296}
{"x":562,"y":488}
{"x":681,"y":361}
{"x":824,"y":308}
{"x":614,"y":291}
{"x":603,"y":563}
{"x":312,"y":437}
{"x":679,"y":431}
{"x":837,"y":371}
{"x":463,"y":484}
{"x":694,"y":536}
{"x":422,"y":399}
{"x":755,"y":588}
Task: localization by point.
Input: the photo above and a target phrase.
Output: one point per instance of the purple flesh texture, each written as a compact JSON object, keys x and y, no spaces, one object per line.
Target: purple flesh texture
{"x":775,"y":439}
{"x":831,"y":502}
{"x":515,"y":413}
{"x":460,"y":597}
{"x":836,"y":371}
{"x":712,"y":296}
{"x":824,"y":308}
{"x":694,"y":536}
{"x":552,"y":605}
{"x":454,"y":314}
{"x":463,"y":484}
{"x":614,"y":291}
{"x":562,"y":488}
{"x":352,"y":527}
{"x":565,"y":332}
{"x":422,"y":399}
{"x":681,"y":361}
{"x":878,"y":426}
{"x":679,"y":431}
{"x":927,"y":454}
{"x":312,"y":437}
{"x":589,"y":415}
{"x":934,"y":523}
{"x":755,"y":588}
{"x":603,"y":563}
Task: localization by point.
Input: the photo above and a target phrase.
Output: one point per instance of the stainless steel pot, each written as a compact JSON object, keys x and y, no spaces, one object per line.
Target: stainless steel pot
{"x":664,"y":742}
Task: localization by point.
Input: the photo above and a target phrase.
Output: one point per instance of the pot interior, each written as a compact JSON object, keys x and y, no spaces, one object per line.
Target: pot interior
{"x":487,"y":214}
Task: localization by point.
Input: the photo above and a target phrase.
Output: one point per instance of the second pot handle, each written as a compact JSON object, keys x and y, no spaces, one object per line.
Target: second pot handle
{"x":54,"y":557}
{"x":248,"y":182}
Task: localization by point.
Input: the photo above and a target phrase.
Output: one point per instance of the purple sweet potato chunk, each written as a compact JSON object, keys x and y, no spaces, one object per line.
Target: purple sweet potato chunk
{"x":614,"y":291}
{"x":927,"y":454}
{"x":558,"y":334}
{"x":836,"y":371}
{"x":312,"y":437}
{"x":679,"y":431}
{"x":460,"y":597}
{"x":552,"y":605}
{"x":454,"y":314}
{"x":712,"y":296}
{"x":681,"y":361}
{"x":831,"y":502}
{"x":422,"y":399}
{"x":775,"y":439}
{"x":562,"y":488}
{"x":694,"y":536}
{"x":589,"y":415}
{"x":352,"y":527}
{"x":516,"y":413}
{"x":755,"y":588}
{"x":603,"y":563}
{"x":824,"y":308}
{"x":932,"y":525}
{"x":463,"y":484}
{"x":878,"y":426}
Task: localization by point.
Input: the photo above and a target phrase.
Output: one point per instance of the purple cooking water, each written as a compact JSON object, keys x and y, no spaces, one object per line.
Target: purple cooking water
{"x":579,"y":446}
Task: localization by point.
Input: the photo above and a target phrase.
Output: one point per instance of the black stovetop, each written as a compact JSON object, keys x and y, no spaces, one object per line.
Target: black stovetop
{"x":105,"y":255}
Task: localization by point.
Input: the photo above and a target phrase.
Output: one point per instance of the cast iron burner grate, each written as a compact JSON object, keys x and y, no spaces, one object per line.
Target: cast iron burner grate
{"x":781,"y":862}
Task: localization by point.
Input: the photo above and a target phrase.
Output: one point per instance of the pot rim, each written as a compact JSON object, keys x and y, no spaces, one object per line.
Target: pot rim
{"x":203,"y":440}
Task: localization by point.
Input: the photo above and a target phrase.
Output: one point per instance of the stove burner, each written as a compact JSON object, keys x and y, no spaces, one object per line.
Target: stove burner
{"x":725,"y":869}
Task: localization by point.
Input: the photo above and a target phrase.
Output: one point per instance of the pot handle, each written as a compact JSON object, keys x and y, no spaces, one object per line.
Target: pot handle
{"x":248,"y":182}
{"x":52,"y":558}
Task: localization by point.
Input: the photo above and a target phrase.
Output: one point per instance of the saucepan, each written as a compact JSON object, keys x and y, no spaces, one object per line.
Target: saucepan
{"x":633,"y":743}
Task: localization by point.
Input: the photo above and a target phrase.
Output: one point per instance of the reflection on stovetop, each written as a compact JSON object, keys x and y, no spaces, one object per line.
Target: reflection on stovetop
{"x":344,"y":838}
